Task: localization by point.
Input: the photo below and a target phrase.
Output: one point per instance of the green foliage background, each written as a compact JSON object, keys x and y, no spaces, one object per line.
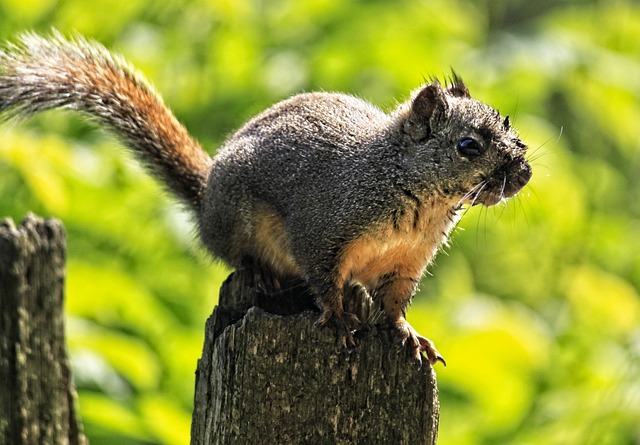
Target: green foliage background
{"x":536,"y":304}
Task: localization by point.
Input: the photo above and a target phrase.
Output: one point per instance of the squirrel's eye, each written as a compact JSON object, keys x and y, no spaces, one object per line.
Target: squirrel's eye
{"x":469,"y":148}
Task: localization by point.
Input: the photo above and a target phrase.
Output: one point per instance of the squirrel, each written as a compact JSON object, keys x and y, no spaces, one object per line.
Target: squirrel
{"x":323,"y":187}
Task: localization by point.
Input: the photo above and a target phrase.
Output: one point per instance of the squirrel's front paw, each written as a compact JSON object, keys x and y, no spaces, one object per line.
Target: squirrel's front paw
{"x":344,"y":325}
{"x":416,"y":343}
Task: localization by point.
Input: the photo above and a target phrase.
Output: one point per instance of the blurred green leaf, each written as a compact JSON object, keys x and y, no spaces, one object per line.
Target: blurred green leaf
{"x":603,"y":302}
{"x":169,"y":423}
{"x":535,"y":304}
{"x":130,"y":357}
{"x":116,"y":422}
{"x":113,"y":298}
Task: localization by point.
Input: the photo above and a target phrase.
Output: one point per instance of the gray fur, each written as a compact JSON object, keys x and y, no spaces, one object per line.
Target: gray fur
{"x":332,"y":166}
{"x":301,"y":182}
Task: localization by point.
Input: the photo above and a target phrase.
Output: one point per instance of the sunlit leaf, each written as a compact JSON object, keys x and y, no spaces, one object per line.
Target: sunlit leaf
{"x":128,"y":355}
{"x":109,"y":414}
{"x":168,"y":420}
{"x":536,"y":306}
{"x":602,"y":301}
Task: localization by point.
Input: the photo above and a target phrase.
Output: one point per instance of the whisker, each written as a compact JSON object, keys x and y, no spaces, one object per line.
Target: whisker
{"x":559,"y":135}
{"x":472,"y":191}
{"x":483,"y":184}
{"x":469,"y":194}
{"x":535,"y":155}
{"x":503,"y":208}
{"x":461,"y":202}
{"x":532,"y":191}
{"x":299,"y":284}
{"x":485,"y":225}
{"x":524,"y":210}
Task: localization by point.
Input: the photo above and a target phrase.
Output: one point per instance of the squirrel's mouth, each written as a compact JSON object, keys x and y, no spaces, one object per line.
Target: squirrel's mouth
{"x":504,"y":183}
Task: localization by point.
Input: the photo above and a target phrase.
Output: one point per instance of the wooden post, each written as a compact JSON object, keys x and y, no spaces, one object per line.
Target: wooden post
{"x":266,"y":376}
{"x":37,"y":395}
{"x":270,"y":378}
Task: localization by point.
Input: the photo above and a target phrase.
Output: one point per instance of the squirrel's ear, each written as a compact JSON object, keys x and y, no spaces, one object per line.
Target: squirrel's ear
{"x":428,"y":100}
{"x":427,"y":109}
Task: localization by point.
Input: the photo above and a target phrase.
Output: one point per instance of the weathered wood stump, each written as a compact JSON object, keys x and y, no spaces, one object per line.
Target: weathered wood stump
{"x":266,"y":376}
{"x":269,"y":376}
{"x":37,"y":396}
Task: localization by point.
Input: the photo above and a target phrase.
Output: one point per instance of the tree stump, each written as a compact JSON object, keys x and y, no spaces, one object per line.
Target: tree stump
{"x":38,"y":398}
{"x":268,"y":376}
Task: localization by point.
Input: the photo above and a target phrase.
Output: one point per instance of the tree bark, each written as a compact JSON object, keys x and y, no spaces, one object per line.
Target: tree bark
{"x":37,"y":396}
{"x":268,"y":376}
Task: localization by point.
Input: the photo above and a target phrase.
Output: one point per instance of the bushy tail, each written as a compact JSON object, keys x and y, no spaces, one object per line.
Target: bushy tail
{"x":38,"y":73}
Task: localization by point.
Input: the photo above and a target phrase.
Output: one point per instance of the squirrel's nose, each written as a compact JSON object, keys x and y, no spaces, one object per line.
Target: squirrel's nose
{"x":523,"y":175}
{"x":518,"y":176}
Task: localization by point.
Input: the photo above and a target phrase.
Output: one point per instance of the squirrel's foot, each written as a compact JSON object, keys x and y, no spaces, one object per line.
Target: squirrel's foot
{"x":416,"y":343}
{"x":264,"y":279}
{"x":344,"y":325}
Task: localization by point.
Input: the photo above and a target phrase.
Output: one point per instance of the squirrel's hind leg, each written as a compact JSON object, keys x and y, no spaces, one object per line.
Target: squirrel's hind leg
{"x":264,"y":278}
{"x":344,"y":324}
{"x":396,"y":293}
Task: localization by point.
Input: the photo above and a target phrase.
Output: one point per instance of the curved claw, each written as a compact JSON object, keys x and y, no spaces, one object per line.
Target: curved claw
{"x":417,"y":344}
{"x":430,"y":350}
{"x":344,"y":325}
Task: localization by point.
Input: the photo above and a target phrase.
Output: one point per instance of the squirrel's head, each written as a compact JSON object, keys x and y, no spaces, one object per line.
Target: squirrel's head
{"x":468,"y":149}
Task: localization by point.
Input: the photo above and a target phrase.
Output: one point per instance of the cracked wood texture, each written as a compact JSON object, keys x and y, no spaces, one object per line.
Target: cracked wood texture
{"x":37,"y":395}
{"x":268,"y":376}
